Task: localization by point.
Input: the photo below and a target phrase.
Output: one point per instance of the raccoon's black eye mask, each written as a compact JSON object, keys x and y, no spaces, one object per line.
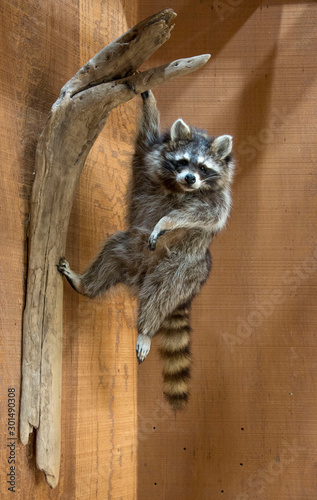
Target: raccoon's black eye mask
{"x":183,"y":162}
{"x":178,"y":164}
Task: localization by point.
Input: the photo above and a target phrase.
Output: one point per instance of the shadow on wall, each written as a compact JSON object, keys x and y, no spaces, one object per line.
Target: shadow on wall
{"x":259,"y":122}
{"x":209,"y":26}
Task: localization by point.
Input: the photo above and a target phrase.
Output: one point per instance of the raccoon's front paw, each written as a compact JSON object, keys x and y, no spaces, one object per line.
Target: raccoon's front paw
{"x":143,"y":346}
{"x":63,"y":267}
{"x":152,"y":241}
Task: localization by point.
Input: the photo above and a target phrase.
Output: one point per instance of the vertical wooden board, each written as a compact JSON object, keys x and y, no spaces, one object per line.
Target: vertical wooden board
{"x":42,"y":46}
{"x":250,"y":428}
{"x":106,"y":354}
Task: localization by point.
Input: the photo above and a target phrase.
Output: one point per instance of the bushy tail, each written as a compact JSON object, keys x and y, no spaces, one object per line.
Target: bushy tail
{"x":174,"y":345}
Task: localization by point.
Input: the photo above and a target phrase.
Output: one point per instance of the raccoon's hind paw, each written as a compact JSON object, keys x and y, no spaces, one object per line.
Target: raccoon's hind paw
{"x":63,"y":267}
{"x":143,"y":346}
{"x":73,"y":279}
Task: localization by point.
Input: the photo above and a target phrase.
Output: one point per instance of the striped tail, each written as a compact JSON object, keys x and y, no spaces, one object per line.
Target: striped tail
{"x":174,"y":346}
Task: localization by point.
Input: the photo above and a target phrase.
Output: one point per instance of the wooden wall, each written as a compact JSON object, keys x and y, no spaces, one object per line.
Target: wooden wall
{"x":42,"y":45}
{"x":250,"y":429}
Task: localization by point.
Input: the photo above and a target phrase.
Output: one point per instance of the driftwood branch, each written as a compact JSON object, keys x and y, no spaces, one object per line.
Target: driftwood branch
{"x":74,"y":123}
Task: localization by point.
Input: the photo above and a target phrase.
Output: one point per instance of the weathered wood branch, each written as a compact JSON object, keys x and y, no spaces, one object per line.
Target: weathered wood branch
{"x":125,"y":55}
{"x":74,"y":123}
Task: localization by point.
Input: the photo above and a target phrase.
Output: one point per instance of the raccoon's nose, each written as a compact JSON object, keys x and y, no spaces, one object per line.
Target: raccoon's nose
{"x":190,"y":179}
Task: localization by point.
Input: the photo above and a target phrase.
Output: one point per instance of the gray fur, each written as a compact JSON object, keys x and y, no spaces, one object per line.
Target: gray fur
{"x":163,"y":255}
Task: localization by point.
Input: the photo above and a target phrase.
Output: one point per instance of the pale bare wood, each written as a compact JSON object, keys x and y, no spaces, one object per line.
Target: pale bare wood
{"x":74,"y":123}
{"x":126,"y":54}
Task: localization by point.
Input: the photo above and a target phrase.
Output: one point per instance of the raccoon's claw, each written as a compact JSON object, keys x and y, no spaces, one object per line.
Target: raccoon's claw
{"x":153,"y":239}
{"x":142,"y":347}
{"x":152,"y":242}
{"x":63,"y":267}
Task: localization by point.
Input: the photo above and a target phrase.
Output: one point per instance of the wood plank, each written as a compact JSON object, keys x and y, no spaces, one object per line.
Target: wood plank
{"x":254,"y":348}
{"x":42,"y":46}
{"x":254,"y":339}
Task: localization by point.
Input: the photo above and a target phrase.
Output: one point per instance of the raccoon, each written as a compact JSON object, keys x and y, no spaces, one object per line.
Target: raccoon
{"x":179,"y":198}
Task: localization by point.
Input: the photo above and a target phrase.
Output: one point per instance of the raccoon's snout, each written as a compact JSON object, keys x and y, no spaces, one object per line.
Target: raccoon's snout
{"x":190,"y":179}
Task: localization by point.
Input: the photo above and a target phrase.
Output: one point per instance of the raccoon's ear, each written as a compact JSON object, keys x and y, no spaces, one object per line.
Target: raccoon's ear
{"x":180,"y":131}
{"x":222,"y":146}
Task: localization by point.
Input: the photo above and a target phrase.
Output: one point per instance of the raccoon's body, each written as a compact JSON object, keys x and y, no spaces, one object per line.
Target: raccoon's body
{"x":179,"y":198}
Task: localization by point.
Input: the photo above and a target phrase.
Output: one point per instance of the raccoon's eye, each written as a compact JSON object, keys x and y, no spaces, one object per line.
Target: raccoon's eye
{"x":203,"y":168}
{"x":183,"y":162}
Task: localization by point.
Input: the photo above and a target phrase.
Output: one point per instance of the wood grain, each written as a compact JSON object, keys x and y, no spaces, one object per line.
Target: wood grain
{"x":99,"y":430}
{"x":75,"y":120}
{"x":254,"y":324}
{"x":263,"y":68}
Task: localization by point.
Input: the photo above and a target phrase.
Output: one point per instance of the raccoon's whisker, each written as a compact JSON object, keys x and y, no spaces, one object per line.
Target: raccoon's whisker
{"x":212,"y":176}
{"x":174,"y":183}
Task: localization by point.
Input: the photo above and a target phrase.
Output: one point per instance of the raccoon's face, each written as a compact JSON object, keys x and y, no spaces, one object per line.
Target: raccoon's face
{"x":190,"y":161}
